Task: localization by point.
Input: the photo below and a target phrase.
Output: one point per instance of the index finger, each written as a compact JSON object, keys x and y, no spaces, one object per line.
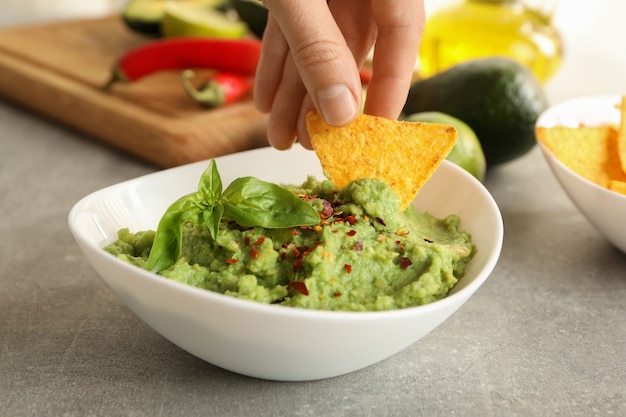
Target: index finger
{"x":400,"y":31}
{"x":320,"y":53}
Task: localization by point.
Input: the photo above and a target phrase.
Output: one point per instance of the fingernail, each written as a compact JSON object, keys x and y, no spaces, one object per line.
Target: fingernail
{"x":336,"y":104}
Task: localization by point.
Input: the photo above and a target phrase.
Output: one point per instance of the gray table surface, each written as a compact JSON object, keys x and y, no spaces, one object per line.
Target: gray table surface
{"x":544,"y":336}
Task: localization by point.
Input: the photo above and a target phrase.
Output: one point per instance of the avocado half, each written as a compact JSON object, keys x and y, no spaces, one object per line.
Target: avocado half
{"x":145,"y":16}
{"x":254,"y":13}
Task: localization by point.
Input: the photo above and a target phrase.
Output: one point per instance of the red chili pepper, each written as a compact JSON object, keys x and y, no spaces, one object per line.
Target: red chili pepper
{"x":230,"y":55}
{"x":366,"y":75}
{"x":219,"y":89}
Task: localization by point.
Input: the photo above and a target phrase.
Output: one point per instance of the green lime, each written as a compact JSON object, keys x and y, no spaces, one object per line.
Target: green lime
{"x":189,"y":19}
{"x":144,"y":16}
{"x":467,"y":153}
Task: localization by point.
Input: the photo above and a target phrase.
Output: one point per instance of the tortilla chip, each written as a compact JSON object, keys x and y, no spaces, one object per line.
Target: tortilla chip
{"x":589,"y":151}
{"x":404,"y":154}
{"x":618,"y":186}
{"x":621,"y":142}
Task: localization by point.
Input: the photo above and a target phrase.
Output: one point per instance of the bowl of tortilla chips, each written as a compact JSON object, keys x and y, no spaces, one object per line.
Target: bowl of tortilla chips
{"x":584,"y":142}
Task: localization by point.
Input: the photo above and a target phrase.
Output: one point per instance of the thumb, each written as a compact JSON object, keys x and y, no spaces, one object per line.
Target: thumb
{"x":321,"y":56}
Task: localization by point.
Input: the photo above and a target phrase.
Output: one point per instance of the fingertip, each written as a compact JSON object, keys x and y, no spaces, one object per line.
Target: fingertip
{"x":337,"y":105}
{"x":282,"y":143}
{"x":281,"y":134}
{"x":303,"y":135}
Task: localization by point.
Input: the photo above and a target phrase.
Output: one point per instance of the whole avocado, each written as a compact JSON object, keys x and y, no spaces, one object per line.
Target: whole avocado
{"x":498,"y":97}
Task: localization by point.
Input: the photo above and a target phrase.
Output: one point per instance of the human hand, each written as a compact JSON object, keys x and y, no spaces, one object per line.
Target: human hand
{"x":311,"y":54}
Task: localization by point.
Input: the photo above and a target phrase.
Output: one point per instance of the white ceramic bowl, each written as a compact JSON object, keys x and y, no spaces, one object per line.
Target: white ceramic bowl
{"x":603,"y":208}
{"x":268,"y":341}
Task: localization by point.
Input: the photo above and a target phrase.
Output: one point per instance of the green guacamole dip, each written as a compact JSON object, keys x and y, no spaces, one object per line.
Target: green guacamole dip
{"x":363,"y":256}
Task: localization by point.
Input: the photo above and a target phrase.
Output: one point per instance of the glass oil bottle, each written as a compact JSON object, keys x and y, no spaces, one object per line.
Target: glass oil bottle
{"x":481,"y":28}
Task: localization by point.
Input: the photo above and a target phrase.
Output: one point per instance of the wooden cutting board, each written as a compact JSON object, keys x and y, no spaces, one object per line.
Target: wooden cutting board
{"x":58,"y":70}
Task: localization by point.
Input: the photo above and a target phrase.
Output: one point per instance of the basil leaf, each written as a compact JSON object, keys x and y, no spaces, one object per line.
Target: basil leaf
{"x":252,"y":202}
{"x":210,"y":184}
{"x":212,"y":217}
{"x":249,"y":201}
{"x":167,"y":240}
{"x":167,"y":243}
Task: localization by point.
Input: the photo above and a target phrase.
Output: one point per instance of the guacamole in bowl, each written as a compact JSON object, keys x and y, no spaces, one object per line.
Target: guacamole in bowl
{"x":363,"y":253}
{"x":265,"y":339}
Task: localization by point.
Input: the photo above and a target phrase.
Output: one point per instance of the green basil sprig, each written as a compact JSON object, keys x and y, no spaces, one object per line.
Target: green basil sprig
{"x":248,"y":201}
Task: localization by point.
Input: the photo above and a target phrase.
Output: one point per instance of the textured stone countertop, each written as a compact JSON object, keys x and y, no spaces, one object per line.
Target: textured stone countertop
{"x":544,"y":336}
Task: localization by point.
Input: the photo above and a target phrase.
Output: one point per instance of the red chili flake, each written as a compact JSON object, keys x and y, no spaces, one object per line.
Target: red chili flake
{"x":232,"y":261}
{"x":247,"y":240}
{"x":398,"y":242}
{"x":338,"y":294}
{"x":297,"y":264}
{"x":311,"y":249}
{"x":405,"y":262}
{"x":359,"y":244}
{"x":351,"y":232}
{"x":254,"y":253}
{"x":381,"y":221}
{"x":294,"y":232}
{"x":299,"y":286}
{"x":350,"y":219}
{"x":259,"y":241}
{"x":348,"y":268}
{"x":283,"y":255}
{"x":284,"y":246}
{"x":327,"y":211}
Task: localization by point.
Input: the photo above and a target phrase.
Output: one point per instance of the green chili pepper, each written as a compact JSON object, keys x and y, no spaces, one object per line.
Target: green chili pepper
{"x":248,"y":201}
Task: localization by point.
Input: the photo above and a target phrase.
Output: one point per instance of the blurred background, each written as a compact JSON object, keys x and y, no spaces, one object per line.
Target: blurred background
{"x":594,"y":51}
{"x":594,"y":58}
{"x":27,"y":11}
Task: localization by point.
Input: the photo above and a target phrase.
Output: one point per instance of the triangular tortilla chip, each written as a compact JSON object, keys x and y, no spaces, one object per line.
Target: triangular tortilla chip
{"x":404,"y":154}
{"x":621,"y":141}
{"x":589,"y":151}
{"x":618,"y":186}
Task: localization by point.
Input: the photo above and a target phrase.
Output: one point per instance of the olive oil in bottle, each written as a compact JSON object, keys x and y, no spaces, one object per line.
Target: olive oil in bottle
{"x":481,"y":28}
